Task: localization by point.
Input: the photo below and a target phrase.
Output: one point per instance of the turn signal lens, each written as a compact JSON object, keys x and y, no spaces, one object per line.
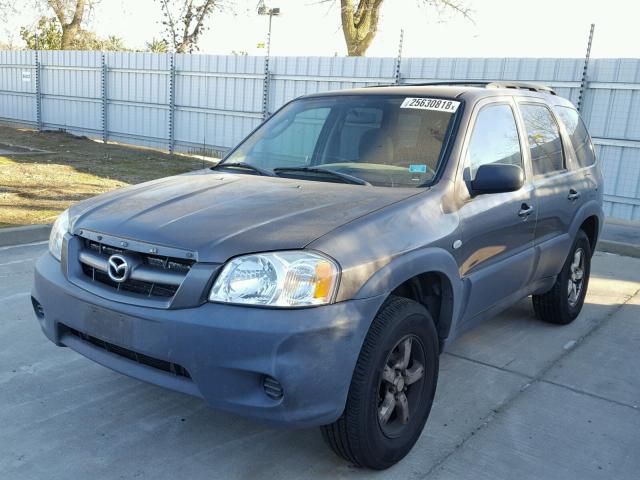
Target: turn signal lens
{"x":324,"y":280}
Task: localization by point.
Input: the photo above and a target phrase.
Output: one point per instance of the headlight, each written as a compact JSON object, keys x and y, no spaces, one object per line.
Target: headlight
{"x":279,"y":279}
{"x":60,"y":227}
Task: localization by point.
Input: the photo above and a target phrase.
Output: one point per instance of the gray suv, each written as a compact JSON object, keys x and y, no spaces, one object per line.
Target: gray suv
{"x":314,"y":275}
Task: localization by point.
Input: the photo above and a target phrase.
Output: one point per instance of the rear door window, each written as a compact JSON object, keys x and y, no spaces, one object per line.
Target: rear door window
{"x":494,"y":139}
{"x":580,"y":139}
{"x":543,"y":134}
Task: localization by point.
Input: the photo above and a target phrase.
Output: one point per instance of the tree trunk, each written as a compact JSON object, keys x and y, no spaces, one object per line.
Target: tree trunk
{"x":360,"y":24}
{"x":183,"y":48}
{"x":71,"y":27}
{"x":68,"y":35}
{"x":358,"y":48}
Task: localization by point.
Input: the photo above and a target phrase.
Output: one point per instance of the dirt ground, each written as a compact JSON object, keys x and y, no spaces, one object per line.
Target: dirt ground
{"x":35,"y":186}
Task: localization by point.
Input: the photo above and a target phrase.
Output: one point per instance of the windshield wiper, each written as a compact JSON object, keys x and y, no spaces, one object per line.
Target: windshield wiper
{"x":245,"y":166}
{"x":342,"y":176}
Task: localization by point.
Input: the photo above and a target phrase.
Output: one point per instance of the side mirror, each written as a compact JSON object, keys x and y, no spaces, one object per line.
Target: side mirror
{"x":497,"y":178}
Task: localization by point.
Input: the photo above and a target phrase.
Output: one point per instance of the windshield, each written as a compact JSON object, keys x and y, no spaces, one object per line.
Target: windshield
{"x":387,"y":141}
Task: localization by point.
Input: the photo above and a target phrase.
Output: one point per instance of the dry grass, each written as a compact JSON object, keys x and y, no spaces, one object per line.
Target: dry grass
{"x":36,"y":187}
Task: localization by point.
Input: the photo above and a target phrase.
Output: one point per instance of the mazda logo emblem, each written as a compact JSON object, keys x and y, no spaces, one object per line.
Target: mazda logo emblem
{"x":118,"y":268}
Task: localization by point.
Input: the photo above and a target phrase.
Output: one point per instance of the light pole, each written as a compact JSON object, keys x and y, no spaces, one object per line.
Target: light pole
{"x":264,"y":10}
{"x":272,"y":12}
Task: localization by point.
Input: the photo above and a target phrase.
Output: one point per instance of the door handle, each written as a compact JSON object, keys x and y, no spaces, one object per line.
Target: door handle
{"x":573,"y":195}
{"x":525,"y":210}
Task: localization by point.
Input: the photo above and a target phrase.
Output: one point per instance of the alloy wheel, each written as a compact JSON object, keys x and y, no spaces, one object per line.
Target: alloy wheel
{"x":400,"y":386}
{"x":576,"y":277}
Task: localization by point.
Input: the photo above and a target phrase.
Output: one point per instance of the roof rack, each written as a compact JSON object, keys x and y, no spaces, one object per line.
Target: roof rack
{"x":532,"y":87}
{"x":444,"y":83}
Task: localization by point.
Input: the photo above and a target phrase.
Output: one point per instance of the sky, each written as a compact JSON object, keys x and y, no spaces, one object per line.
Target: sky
{"x":501,"y":28}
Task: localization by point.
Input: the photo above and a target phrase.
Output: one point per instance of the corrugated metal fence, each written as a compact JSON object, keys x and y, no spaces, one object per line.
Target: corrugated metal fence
{"x":207,"y":102}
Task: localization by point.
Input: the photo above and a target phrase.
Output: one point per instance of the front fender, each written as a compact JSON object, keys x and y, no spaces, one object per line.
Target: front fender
{"x":403,"y":267}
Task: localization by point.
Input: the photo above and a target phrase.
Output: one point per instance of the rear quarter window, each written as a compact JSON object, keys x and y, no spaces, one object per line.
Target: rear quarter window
{"x":578,"y":134}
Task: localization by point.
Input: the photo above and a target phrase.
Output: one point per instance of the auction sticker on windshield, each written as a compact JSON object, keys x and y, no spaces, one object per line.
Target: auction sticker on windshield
{"x":437,"y":104}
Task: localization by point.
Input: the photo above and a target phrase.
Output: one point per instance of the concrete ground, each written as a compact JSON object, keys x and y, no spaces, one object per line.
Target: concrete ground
{"x":517,"y":399}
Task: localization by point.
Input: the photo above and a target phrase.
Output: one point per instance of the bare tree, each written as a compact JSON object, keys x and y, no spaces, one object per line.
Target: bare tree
{"x":185,"y":20}
{"x":360,"y":19}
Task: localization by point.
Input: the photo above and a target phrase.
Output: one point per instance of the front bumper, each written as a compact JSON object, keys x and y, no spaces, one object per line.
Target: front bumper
{"x":226,"y":350}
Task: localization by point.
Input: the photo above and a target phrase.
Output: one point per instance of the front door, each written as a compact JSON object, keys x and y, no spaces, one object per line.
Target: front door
{"x":496,"y":256}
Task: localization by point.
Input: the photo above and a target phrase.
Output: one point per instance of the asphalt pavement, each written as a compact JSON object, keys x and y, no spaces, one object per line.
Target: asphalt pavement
{"x":517,"y":399}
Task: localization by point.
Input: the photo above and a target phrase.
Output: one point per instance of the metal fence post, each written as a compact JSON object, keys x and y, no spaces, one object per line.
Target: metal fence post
{"x":172,"y":101}
{"x":105,"y":124}
{"x":265,"y":95}
{"x":583,"y":81}
{"x":267,"y":76}
{"x":38,"y":93}
{"x":398,"y":74}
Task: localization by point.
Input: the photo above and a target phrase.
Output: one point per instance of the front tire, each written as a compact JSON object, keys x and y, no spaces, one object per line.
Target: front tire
{"x":392,"y":388}
{"x":563,"y":303}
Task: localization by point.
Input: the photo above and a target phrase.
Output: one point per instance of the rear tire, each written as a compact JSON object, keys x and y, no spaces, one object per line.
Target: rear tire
{"x":392,"y":388}
{"x":563,"y":303}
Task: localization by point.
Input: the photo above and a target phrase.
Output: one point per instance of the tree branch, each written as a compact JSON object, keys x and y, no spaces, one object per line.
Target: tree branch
{"x":78,"y":14}
{"x":185,"y":20}
{"x":348,"y":26}
{"x":58,"y":10}
{"x":200,"y":19}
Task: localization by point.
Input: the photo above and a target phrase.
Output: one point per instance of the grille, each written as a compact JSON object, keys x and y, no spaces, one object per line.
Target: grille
{"x":140,"y":358}
{"x":138,"y":287}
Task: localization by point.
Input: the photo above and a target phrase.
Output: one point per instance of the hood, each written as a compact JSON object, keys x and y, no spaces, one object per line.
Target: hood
{"x":221,"y":215}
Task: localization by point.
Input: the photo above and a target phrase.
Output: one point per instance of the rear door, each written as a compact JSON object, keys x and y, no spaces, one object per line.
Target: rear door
{"x":581,"y":153}
{"x":558,"y":187}
{"x":496,"y":254}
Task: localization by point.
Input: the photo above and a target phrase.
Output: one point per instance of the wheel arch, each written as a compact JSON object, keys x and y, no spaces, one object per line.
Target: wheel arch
{"x":588,"y":218}
{"x":591,"y":227}
{"x":434,"y":291}
{"x":428,"y":276}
